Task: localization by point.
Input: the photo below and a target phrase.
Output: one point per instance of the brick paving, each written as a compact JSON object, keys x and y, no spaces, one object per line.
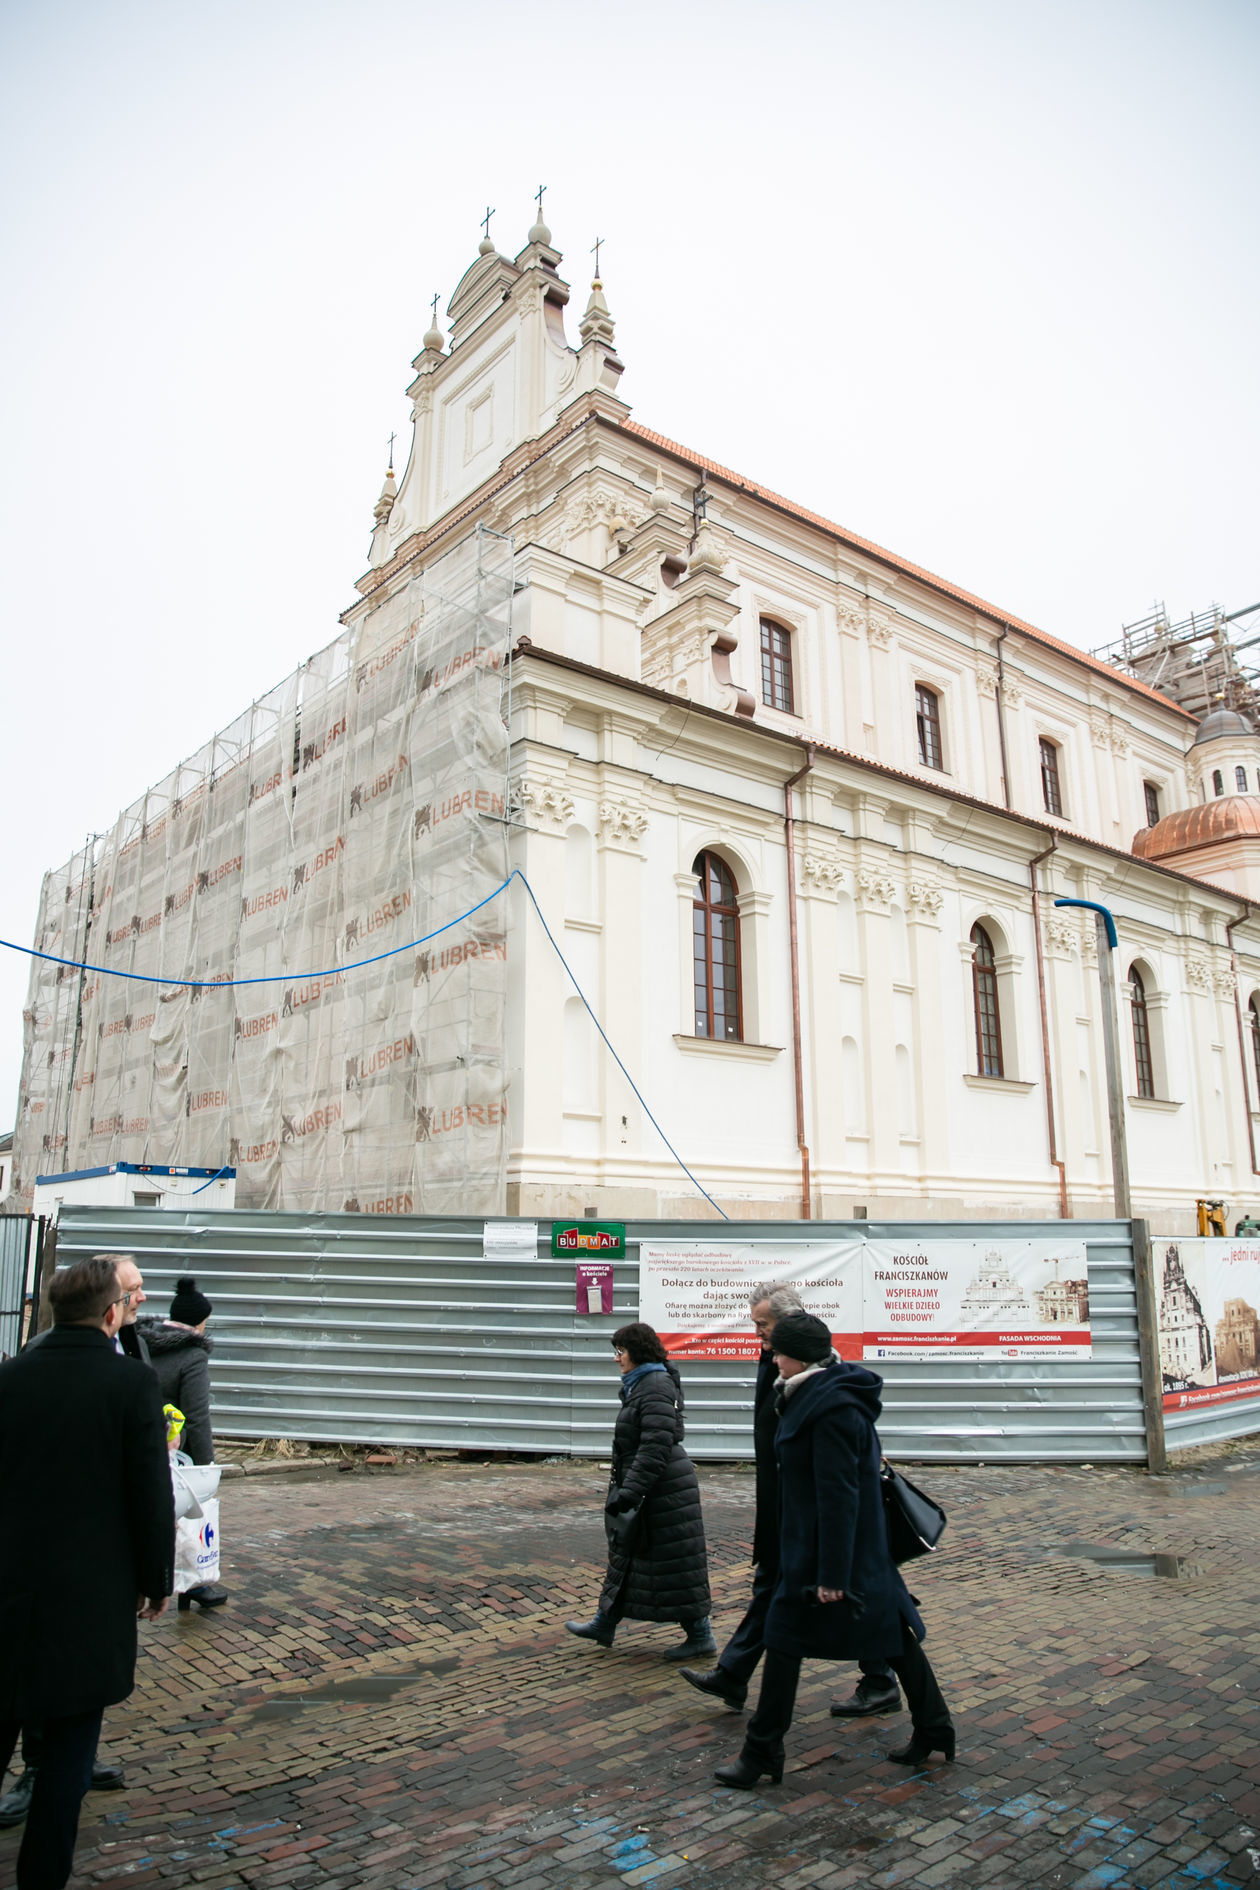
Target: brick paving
{"x":390,"y":1700}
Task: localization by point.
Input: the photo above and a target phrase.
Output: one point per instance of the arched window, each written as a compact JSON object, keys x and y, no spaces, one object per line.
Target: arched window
{"x":1151,"y":793}
{"x":776,"y":667}
{"x":1141,"y":1034}
{"x":1218,"y":781}
{"x":984,"y":995}
{"x":715,"y":936}
{"x":1253,"y":1018}
{"x":927,"y":716}
{"x":1240,"y":780}
{"x":1051,"y":794}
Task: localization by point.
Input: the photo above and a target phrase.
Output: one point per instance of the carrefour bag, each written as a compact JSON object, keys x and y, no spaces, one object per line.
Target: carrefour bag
{"x":193,"y":1483}
{"x":197,"y":1547}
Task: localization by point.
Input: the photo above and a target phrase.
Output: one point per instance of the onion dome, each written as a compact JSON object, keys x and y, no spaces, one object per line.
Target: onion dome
{"x":1222,"y":722}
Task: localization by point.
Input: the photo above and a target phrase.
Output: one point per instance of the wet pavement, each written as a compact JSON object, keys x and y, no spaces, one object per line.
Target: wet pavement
{"x":390,"y":1699}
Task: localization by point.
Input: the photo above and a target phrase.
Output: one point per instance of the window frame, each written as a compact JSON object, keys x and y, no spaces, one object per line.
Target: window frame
{"x":777,"y":667}
{"x":986,"y":1006}
{"x":1143,"y":1047}
{"x":1051,"y":781}
{"x":927,"y":720}
{"x":704,"y":963}
{"x":1150,"y":796}
{"x":1218,"y":783}
{"x":1240,"y":779}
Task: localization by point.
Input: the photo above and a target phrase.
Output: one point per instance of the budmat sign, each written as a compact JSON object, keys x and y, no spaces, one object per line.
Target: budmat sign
{"x":604,"y":1240}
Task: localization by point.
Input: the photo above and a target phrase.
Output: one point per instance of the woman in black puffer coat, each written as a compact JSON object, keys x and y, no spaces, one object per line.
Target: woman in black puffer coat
{"x":179,"y":1353}
{"x":658,"y":1566}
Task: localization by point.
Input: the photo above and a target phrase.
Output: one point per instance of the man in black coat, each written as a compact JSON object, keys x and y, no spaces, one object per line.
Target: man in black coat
{"x":877,"y":1691}
{"x":87,"y":1544}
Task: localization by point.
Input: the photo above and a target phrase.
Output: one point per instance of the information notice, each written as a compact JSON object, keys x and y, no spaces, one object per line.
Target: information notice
{"x":971,"y":1299}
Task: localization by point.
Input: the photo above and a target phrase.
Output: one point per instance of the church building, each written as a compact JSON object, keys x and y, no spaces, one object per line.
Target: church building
{"x":796,"y":812}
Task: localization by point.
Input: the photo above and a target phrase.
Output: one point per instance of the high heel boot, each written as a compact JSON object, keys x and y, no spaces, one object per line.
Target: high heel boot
{"x":923,"y":1743}
{"x":598,"y":1629}
{"x":699,"y":1644}
{"x":206,"y":1595}
{"x":742,"y":1773}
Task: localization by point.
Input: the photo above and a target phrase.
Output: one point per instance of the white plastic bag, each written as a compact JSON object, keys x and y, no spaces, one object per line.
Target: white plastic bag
{"x":197,"y":1547}
{"x":193,"y":1484}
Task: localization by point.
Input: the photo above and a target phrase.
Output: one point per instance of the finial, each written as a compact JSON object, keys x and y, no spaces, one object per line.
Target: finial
{"x":540,"y":233}
{"x":434,"y":338}
{"x":659,"y":500}
{"x":706,"y":554}
{"x":597,"y":323}
{"x":486,"y":246}
{"x":389,"y":492}
{"x":392,"y":438}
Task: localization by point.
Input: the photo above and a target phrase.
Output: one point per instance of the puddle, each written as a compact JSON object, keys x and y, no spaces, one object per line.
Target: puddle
{"x":1195,"y":1489}
{"x":1175,"y":1568}
{"x":362,"y":1689}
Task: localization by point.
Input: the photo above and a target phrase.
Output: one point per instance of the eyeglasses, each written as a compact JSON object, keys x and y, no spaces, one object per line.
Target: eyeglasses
{"x":126,"y":1298}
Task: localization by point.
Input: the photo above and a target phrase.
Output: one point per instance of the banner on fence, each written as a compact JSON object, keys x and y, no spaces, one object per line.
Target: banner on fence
{"x":1209,"y":1320}
{"x":972,"y":1299}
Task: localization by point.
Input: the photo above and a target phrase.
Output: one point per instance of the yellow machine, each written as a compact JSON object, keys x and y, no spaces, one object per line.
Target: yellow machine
{"x":1211,"y":1217}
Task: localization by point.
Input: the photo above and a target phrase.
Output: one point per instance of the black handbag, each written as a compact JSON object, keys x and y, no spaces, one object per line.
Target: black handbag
{"x":913,"y":1521}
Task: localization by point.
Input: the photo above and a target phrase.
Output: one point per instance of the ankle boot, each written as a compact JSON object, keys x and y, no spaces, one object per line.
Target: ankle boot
{"x":698,"y":1644}
{"x":923,"y":1743}
{"x":15,"y":1804}
{"x":743,"y":1772}
{"x":598,"y":1629}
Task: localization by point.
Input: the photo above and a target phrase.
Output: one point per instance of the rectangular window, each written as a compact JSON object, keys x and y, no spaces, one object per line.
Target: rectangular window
{"x":927,"y":716}
{"x":776,"y":667}
{"x":1152,"y":803}
{"x":1240,"y":777}
{"x":1050,"y":793}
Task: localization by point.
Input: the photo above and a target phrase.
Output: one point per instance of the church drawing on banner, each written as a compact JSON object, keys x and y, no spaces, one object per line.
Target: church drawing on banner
{"x":795,"y":810}
{"x":1185,"y":1344}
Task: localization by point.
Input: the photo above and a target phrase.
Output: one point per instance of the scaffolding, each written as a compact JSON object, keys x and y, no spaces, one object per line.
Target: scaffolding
{"x":357,"y":806}
{"x":1199,"y":663}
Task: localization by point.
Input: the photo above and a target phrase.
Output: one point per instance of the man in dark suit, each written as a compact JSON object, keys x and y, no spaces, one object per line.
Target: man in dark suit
{"x":87,"y":1545}
{"x":877,"y":1690}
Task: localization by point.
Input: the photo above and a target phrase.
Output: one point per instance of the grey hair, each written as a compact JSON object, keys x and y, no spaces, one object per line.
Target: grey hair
{"x":782,"y":1295}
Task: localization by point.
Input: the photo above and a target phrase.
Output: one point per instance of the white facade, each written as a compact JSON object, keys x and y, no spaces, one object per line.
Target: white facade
{"x":642,"y":738}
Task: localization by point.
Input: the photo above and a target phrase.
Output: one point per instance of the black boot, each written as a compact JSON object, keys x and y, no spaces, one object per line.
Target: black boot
{"x":744,"y":1771}
{"x":699,"y":1643}
{"x":206,"y":1595}
{"x":599,"y":1629}
{"x":15,"y":1804}
{"x":869,"y":1696}
{"x":923,"y":1743}
{"x":106,"y":1778}
{"x":722,"y":1685}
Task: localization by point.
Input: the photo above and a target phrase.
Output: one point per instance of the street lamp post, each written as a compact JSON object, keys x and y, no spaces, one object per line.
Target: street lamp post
{"x":1107,"y":942}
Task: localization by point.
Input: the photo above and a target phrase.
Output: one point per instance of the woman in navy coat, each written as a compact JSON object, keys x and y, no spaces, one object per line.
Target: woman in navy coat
{"x":839,"y":1595}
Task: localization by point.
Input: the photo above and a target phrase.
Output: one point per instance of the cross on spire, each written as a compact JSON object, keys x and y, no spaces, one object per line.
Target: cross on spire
{"x":485,"y":222}
{"x":596,"y":246}
{"x":435,"y":303}
{"x":392,"y":438}
{"x":538,"y":199}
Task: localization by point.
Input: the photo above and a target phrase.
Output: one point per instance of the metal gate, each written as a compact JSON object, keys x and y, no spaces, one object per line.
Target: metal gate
{"x":367,"y":1329}
{"x":15,"y":1247}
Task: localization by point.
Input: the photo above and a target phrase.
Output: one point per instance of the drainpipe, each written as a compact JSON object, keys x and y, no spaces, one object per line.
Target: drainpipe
{"x":1242,"y":1035}
{"x":789,"y":841}
{"x":1003,"y":633}
{"x":1033,"y":864}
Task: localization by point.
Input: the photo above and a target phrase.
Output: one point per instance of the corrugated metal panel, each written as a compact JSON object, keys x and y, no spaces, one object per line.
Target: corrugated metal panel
{"x":1212,"y":1424}
{"x":15,"y":1238}
{"x":362,"y":1328}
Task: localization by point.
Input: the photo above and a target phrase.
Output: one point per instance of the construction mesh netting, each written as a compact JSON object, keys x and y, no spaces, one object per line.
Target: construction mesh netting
{"x":359,"y":805}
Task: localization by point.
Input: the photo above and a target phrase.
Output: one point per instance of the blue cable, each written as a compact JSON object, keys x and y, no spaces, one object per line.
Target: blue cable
{"x":227,"y":984}
{"x":280,"y":977}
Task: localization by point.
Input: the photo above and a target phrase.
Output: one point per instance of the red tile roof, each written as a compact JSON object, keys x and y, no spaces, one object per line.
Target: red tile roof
{"x":890,"y":558}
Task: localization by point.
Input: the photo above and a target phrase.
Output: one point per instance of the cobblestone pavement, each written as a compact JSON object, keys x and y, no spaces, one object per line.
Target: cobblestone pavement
{"x":390,"y":1700}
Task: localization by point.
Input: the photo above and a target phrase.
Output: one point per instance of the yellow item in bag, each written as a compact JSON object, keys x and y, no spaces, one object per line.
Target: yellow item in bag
{"x":174,"y":1425}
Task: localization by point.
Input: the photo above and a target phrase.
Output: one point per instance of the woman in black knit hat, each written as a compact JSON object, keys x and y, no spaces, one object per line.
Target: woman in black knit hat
{"x":179,"y":1353}
{"x":839,"y":1595}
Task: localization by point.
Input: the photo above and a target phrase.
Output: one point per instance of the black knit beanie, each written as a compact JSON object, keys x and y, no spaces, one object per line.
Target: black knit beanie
{"x":189,"y":1307}
{"x":800,"y":1335}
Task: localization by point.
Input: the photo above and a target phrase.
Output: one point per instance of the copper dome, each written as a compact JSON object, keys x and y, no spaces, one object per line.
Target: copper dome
{"x":1227,"y":817}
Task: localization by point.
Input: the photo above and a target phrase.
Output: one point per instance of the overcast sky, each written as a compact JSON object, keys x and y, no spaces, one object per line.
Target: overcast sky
{"x":977,"y":280}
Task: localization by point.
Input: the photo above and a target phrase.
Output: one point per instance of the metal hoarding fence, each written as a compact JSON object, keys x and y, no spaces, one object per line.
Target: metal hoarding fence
{"x":1208,"y":1315}
{"x":364,"y":1328}
{"x":15,"y":1247}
